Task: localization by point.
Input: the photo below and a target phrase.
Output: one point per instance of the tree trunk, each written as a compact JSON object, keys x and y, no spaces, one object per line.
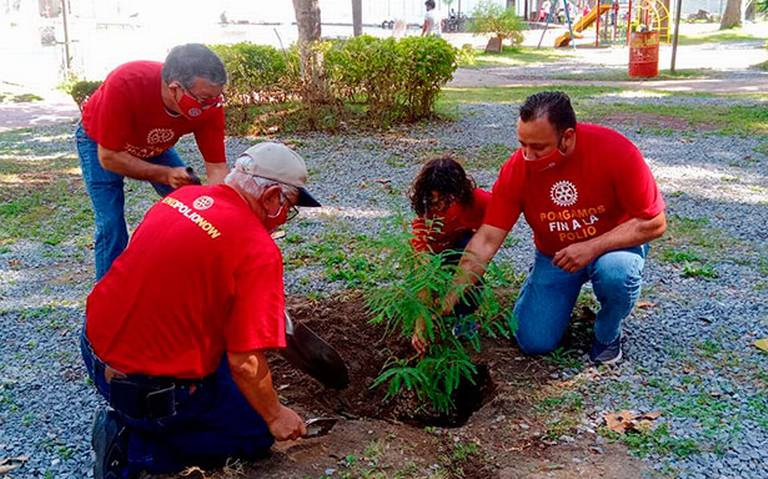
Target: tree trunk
{"x":732,"y":15}
{"x":308,"y":22}
{"x":357,"y":17}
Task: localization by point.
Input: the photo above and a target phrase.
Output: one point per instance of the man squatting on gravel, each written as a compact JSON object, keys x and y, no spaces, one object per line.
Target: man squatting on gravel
{"x":593,"y":206}
{"x":176,"y":330}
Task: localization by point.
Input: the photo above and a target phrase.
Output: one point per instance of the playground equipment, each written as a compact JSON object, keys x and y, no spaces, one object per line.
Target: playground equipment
{"x":583,"y":23}
{"x":643,"y":15}
{"x":652,"y":15}
{"x":552,"y":11}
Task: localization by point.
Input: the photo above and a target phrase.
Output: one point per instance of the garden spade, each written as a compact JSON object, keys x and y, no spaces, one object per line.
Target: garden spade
{"x":319,"y":426}
{"x":308,"y":352}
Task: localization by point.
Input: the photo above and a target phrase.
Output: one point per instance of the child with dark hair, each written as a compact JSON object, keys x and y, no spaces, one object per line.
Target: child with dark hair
{"x":449,"y":208}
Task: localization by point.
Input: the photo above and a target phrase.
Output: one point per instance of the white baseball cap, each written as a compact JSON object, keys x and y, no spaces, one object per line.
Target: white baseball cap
{"x":277,"y":162}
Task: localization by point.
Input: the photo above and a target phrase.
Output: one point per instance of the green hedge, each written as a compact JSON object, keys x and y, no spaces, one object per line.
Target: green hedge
{"x":388,"y":80}
{"x":394,"y":79}
{"x":377,"y":81}
{"x":81,"y":90}
{"x":258,"y":73}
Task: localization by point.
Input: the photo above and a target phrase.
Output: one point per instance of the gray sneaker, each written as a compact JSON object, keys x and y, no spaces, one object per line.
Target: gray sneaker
{"x":109,"y":442}
{"x":606,"y":353}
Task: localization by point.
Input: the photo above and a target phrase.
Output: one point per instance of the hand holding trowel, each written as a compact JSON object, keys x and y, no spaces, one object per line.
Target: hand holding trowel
{"x":308,"y":352}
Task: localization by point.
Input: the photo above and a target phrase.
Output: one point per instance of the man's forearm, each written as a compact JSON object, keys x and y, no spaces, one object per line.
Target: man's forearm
{"x":254,"y":380}
{"x":125,"y":164}
{"x":630,"y":234}
{"x":474,"y":261}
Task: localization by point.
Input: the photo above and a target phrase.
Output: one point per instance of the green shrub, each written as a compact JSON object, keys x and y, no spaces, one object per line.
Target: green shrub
{"x":366,"y":70}
{"x":258,"y":74}
{"x":466,"y":55}
{"x":386,"y":80}
{"x":489,"y":17}
{"x":393,"y":79}
{"x":428,"y":64}
{"x":79,"y":90}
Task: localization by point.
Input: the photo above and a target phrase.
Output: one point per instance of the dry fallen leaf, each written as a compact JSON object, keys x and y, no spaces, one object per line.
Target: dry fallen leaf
{"x":762,"y":344}
{"x":10,"y":463}
{"x":645,"y":304}
{"x":624,"y":421}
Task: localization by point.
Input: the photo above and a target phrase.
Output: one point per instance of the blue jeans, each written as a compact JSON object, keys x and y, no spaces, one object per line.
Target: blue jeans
{"x":105,"y":189}
{"x":212,"y":424}
{"x":543,"y":309}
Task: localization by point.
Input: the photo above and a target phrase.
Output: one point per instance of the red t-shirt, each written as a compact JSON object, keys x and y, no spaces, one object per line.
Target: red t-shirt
{"x":603,"y":184}
{"x":440,"y":233}
{"x":127,"y":113}
{"x":200,"y":276}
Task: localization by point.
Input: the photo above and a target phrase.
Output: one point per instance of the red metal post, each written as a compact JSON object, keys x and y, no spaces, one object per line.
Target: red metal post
{"x":629,"y":20}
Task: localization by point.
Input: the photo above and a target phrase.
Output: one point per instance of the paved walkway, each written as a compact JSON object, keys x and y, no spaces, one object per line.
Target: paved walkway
{"x":729,"y":68}
{"x":465,"y":78}
{"x":39,"y":113}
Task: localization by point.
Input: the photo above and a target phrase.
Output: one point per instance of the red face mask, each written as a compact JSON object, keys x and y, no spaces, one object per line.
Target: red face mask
{"x":547,"y":161}
{"x":191,"y":108}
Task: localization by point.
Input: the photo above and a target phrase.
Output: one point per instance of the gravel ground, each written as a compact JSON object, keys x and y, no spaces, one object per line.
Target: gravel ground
{"x":692,"y":342}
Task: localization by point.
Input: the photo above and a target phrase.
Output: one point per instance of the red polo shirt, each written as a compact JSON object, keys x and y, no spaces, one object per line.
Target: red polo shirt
{"x":201,"y":276}
{"x":458,"y":220}
{"x":604,"y":183}
{"x":127,"y":113}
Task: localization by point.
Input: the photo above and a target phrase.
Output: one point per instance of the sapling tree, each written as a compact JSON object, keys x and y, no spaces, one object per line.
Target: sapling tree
{"x":421,"y":279}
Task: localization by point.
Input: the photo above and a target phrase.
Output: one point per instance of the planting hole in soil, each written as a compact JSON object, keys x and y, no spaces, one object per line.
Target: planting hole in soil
{"x":365,"y":349}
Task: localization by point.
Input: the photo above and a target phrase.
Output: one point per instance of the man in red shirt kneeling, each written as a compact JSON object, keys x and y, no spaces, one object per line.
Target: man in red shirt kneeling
{"x":176,"y":330}
{"x":593,"y":206}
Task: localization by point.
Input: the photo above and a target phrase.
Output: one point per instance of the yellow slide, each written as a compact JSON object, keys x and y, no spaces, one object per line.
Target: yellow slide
{"x":583,"y":23}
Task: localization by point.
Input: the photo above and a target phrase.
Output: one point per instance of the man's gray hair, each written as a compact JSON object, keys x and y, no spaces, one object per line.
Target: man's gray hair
{"x":185,"y":62}
{"x":256,"y":185}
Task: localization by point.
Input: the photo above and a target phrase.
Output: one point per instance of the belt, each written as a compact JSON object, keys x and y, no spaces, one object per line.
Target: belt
{"x":140,"y":396}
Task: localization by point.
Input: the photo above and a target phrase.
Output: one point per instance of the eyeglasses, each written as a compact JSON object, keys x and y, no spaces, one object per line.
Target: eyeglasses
{"x":208,"y":102}
{"x":292,"y":213}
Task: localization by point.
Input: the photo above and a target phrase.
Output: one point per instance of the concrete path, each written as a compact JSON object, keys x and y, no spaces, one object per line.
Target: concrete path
{"x":465,"y":78}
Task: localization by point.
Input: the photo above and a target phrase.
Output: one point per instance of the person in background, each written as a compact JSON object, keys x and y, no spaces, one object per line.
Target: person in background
{"x":432,"y":21}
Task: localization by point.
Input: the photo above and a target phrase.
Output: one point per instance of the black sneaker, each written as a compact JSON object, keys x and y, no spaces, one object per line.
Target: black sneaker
{"x":109,"y":443}
{"x":606,"y":353}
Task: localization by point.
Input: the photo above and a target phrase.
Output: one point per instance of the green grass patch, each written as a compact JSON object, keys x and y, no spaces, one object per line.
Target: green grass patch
{"x":658,"y":441}
{"x":488,"y":157}
{"x":679,"y":256}
{"x":741,"y":120}
{"x":453,"y":96}
{"x":516,"y":56}
{"x":721,"y":36}
{"x":50,"y":214}
{"x":705,"y":271}
{"x":565,"y":359}
{"x":621,"y":74}
{"x":20,"y":98}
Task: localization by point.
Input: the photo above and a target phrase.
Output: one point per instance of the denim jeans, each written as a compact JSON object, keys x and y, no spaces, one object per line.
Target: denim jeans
{"x":212,"y":424}
{"x":105,"y":189}
{"x":543,"y":309}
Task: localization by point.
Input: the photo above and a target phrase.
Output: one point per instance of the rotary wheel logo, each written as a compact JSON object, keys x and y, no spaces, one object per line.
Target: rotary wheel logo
{"x":203,"y":202}
{"x":159,"y":135}
{"x":563,"y":193}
